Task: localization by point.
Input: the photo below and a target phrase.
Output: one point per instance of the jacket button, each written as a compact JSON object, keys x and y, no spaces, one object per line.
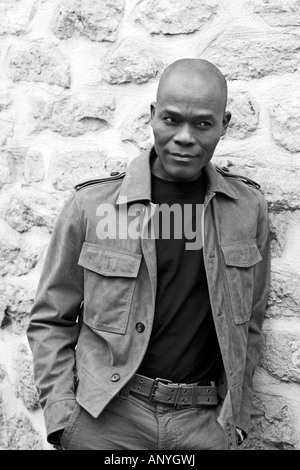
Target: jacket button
{"x":115,"y":378}
{"x":140,"y":327}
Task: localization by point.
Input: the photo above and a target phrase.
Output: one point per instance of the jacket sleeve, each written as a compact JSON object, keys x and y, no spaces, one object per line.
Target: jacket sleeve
{"x":53,"y":327}
{"x":259,"y":304}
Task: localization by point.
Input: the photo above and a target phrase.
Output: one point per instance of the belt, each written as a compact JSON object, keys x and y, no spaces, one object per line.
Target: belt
{"x":177,"y":394}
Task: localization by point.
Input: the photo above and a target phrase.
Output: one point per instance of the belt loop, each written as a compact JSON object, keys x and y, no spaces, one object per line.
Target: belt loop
{"x":124,"y":392}
{"x":177,"y":394}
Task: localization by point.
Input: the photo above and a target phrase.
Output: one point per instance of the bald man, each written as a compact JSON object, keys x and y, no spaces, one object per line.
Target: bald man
{"x":146,"y":326}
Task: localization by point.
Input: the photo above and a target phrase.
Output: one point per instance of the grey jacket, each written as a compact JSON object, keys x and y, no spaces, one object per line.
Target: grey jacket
{"x":93,"y":291}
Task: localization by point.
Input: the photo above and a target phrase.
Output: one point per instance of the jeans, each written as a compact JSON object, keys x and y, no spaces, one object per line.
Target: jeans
{"x":136,"y":423}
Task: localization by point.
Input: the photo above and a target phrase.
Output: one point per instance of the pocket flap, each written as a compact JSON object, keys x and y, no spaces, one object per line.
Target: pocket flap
{"x":109,"y":261}
{"x":242,"y":254}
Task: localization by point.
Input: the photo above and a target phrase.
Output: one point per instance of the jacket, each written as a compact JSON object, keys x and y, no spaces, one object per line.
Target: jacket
{"x":96,"y":288}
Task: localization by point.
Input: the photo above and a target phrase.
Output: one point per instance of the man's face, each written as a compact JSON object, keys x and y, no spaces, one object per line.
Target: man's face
{"x":188,"y":121}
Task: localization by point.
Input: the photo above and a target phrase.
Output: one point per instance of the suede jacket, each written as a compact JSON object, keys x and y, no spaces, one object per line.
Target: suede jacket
{"x":98,"y":285}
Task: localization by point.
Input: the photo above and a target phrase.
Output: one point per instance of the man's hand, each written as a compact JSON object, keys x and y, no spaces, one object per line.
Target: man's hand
{"x":55,"y":439}
{"x":240,"y":436}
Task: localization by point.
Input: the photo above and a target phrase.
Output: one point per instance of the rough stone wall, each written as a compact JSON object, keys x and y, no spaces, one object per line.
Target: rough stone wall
{"x":76,"y":81}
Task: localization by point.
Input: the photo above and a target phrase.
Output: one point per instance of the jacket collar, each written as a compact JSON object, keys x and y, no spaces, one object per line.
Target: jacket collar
{"x":137,"y":182}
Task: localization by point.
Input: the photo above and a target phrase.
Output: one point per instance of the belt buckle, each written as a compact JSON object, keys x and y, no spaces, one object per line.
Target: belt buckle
{"x":155,"y":385}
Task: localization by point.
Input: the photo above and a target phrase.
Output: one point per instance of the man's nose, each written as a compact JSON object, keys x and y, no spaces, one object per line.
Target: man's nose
{"x":184,"y":135}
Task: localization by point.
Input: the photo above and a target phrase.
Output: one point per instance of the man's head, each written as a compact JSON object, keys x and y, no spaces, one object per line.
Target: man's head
{"x":188,"y":118}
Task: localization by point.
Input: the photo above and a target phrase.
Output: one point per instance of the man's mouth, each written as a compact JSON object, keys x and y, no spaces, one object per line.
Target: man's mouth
{"x":184,"y":157}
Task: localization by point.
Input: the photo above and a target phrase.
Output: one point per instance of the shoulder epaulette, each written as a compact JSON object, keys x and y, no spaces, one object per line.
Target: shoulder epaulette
{"x":115,"y":175}
{"x":225,"y":172}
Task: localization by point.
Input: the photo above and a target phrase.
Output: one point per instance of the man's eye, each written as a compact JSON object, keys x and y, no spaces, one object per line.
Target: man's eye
{"x":169,"y":119}
{"x":204,"y":124}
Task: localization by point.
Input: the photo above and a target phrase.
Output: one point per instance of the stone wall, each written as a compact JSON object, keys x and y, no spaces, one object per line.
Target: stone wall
{"x":76,"y":81}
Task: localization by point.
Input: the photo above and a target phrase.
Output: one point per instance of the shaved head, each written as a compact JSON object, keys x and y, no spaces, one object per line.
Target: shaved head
{"x":188,"y":118}
{"x":191,"y":71}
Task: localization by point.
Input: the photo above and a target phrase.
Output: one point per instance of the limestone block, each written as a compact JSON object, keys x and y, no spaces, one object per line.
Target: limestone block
{"x":16,"y":16}
{"x":278,"y":13}
{"x":272,"y":425}
{"x":284,"y":296}
{"x":21,"y":262}
{"x":280,"y":223}
{"x":137,"y":131}
{"x":10,"y":242}
{"x":28,"y":207}
{"x":25,"y":387}
{"x":20,"y":434}
{"x":174,"y":16}
{"x":5,"y":99}
{"x":15,"y":305}
{"x":7,"y":116}
{"x":18,"y":150}
{"x":39,"y":62}
{"x":282,"y":189}
{"x":75,"y":115}
{"x":3,"y":373}
{"x":34,"y":167}
{"x":7,"y":171}
{"x":132,"y":63}
{"x":244,"y":55}
{"x":97,"y":20}
{"x":279,"y":184}
{"x":245,"y":115}
{"x":71,"y":167}
{"x":284,"y":116}
{"x":280,"y":354}
{"x":7,"y":123}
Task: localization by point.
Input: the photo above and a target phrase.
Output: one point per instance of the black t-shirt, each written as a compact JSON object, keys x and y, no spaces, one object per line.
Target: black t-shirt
{"x":183,"y":345}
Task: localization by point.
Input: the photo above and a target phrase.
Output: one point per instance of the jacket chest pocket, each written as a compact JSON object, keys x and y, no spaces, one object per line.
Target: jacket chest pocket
{"x":240,"y":259}
{"x":109,"y":282}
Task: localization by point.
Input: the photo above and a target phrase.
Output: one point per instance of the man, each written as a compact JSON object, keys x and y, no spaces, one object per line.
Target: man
{"x":143,"y":339}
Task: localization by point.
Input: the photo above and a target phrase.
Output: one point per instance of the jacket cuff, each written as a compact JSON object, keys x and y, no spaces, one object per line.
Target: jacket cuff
{"x":242,"y":420}
{"x":57,"y":415}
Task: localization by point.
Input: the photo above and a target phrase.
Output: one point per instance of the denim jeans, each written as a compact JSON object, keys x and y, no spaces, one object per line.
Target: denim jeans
{"x":136,"y":423}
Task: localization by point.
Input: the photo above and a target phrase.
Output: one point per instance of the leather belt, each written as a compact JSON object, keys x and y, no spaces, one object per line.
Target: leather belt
{"x":177,"y":394}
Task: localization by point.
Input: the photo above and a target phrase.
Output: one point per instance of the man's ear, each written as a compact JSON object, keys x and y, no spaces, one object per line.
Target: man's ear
{"x":226,"y":120}
{"x":152,"y":111}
